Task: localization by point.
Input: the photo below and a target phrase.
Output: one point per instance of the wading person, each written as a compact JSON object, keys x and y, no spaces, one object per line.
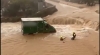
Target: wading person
{"x":74,"y":36}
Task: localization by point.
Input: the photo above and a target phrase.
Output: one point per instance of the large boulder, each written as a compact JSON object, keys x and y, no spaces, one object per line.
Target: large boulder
{"x":50,"y":9}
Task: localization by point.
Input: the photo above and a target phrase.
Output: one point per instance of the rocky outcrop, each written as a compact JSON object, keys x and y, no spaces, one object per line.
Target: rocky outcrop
{"x":50,"y":9}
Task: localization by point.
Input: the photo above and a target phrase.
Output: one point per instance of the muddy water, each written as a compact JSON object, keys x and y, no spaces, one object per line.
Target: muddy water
{"x":63,"y":9}
{"x":14,"y":43}
{"x":62,"y":30}
{"x":83,"y":17}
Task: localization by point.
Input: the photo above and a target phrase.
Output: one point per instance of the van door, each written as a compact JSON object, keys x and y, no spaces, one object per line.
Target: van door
{"x":40,"y":26}
{"x":33,"y":29}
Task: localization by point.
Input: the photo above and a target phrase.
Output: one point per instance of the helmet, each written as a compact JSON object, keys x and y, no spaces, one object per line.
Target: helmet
{"x":61,"y":36}
{"x":73,"y":32}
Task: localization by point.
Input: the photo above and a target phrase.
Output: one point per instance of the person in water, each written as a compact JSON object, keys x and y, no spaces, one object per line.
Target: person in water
{"x":74,"y":36}
{"x":62,"y":39}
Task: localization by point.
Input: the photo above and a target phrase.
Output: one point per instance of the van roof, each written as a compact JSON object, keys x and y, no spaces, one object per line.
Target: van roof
{"x":32,"y":19}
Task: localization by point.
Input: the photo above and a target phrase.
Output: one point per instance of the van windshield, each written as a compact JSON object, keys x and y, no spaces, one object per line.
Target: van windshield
{"x":46,"y":24}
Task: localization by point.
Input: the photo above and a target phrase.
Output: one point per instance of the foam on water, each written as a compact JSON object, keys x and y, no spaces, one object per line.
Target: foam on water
{"x":62,"y":30}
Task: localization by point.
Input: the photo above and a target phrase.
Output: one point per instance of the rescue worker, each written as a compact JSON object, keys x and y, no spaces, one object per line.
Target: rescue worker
{"x":74,"y":36}
{"x":62,"y":39}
